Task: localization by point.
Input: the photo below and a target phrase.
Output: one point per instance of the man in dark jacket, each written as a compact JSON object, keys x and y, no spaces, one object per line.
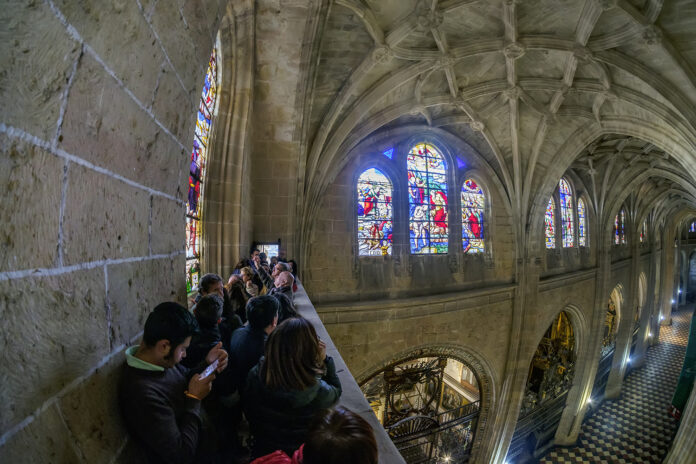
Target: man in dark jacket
{"x":208,"y":313}
{"x":247,"y":345}
{"x":159,"y":398}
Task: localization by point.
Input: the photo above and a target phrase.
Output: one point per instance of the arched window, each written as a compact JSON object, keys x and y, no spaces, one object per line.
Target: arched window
{"x":472,"y":217}
{"x":692,"y":228}
{"x":619,"y":228}
{"x":582,"y":223}
{"x":643,"y":230}
{"x":427,"y":189}
{"x":199,"y":158}
{"x":550,"y":226}
{"x":374,"y":214}
{"x":566,"y":200}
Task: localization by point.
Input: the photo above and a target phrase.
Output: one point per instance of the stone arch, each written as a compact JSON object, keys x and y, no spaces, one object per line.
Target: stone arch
{"x":470,"y":358}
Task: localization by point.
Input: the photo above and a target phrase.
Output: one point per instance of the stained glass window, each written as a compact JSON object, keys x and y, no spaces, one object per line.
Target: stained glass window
{"x":197,"y":174}
{"x":617,"y":229}
{"x":582,"y":223}
{"x":623,"y":227}
{"x":693,"y":227}
{"x":550,"y":226}
{"x":566,"y":199}
{"x":389,"y":153}
{"x":643,"y":230}
{"x":374,"y":214}
{"x":427,"y":189}
{"x":472,"y":217}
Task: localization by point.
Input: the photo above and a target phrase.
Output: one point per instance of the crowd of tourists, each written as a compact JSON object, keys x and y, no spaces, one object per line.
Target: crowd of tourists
{"x":239,"y":378}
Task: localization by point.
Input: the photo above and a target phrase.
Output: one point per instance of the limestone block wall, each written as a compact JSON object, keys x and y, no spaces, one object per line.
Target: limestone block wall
{"x":99,"y":102}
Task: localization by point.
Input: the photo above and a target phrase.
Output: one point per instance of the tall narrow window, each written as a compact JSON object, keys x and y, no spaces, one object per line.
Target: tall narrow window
{"x":427,"y":189}
{"x":472,"y":217}
{"x":623,"y":226}
{"x":199,"y":158}
{"x":693,"y":227}
{"x":566,"y":198}
{"x":617,"y":231}
{"x":582,"y":223}
{"x":374,"y":214}
{"x":550,"y":226}
{"x":643,"y":230}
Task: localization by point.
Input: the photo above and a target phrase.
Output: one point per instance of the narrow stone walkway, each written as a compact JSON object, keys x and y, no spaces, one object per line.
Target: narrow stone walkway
{"x":636,"y":427}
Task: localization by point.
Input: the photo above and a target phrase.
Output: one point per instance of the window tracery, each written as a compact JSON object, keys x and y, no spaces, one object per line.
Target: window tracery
{"x":427,"y":188}
{"x":375,"y":217}
{"x":582,"y":223}
{"x":473,"y":201}
{"x":567,"y":220}
{"x":549,"y":225}
{"x":619,"y":228}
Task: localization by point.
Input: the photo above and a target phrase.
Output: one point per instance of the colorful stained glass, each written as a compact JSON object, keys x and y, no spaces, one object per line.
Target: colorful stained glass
{"x":427,"y":188}
{"x":389,"y":153}
{"x":582,"y":223}
{"x":617,"y":238}
{"x":566,"y":200}
{"x":374,"y":214}
{"x":197,"y":167}
{"x":643,"y":230}
{"x":473,"y":202}
{"x":623,"y":227}
{"x":550,"y":225}
{"x":693,"y":227}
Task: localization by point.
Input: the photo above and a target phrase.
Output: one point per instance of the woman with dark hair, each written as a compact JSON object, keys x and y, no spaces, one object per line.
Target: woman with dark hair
{"x":336,"y":437}
{"x":286,"y":389}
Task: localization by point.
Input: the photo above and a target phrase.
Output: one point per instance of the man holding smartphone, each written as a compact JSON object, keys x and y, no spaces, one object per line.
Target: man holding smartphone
{"x":160,"y":399}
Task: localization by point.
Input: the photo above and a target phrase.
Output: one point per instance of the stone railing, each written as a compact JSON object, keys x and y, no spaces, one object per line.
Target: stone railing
{"x":352,"y":397}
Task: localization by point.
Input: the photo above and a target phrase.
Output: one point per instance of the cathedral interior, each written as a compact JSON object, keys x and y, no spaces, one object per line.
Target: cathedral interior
{"x":492,"y":205}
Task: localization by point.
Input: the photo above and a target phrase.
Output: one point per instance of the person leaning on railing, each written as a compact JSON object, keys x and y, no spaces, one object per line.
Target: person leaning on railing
{"x":288,"y":387}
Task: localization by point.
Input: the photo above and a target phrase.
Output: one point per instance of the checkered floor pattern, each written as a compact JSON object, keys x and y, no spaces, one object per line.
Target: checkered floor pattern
{"x":635,"y":428}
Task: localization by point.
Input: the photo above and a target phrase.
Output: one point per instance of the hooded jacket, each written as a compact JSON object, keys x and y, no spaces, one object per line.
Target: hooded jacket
{"x":280,"y":419}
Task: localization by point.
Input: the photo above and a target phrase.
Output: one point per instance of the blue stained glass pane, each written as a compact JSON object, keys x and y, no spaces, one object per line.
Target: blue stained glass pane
{"x":374,"y":210}
{"x":623,"y":227}
{"x":472,"y":217}
{"x":617,"y":238}
{"x":566,"y":197}
{"x":582,"y":224}
{"x":389,"y":153}
{"x":460,"y":163}
{"x":427,"y":190}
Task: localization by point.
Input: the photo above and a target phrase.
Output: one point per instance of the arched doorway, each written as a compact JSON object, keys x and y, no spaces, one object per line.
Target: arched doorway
{"x":548,"y":382}
{"x":429,"y":403}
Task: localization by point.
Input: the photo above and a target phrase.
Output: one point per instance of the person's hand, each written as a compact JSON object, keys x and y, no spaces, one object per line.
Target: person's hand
{"x":218,"y":353}
{"x":200,"y":387}
{"x":322,"y":352}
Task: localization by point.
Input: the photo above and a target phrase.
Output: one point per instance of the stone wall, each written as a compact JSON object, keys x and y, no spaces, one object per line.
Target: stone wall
{"x":99,"y":101}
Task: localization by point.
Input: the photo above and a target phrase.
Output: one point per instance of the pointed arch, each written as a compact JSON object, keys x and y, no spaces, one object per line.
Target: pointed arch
{"x":550,"y":225}
{"x":375,"y":213}
{"x":582,"y":223}
{"x":473,"y":205}
{"x":427,"y":201}
{"x":197,"y":171}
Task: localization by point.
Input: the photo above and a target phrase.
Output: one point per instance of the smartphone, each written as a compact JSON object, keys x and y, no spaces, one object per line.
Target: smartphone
{"x":209,"y":370}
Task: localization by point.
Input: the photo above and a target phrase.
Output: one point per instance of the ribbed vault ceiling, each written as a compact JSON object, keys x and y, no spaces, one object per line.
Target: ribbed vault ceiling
{"x":605,"y":86}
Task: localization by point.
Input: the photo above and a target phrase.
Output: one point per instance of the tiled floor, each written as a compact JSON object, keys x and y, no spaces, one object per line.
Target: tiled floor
{"x":635,"y":428}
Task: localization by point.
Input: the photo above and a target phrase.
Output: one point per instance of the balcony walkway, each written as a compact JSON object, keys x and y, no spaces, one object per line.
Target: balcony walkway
{"x":636,"y":428}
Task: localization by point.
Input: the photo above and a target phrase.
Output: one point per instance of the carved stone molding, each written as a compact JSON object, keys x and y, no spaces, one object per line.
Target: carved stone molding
{"x":381,"y":54}
{"x":514,"y":50}
{"x":606,"y":4}
{"x":652,"y":35}
{"x":582,"y":54}
{"x":513,"y":93}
